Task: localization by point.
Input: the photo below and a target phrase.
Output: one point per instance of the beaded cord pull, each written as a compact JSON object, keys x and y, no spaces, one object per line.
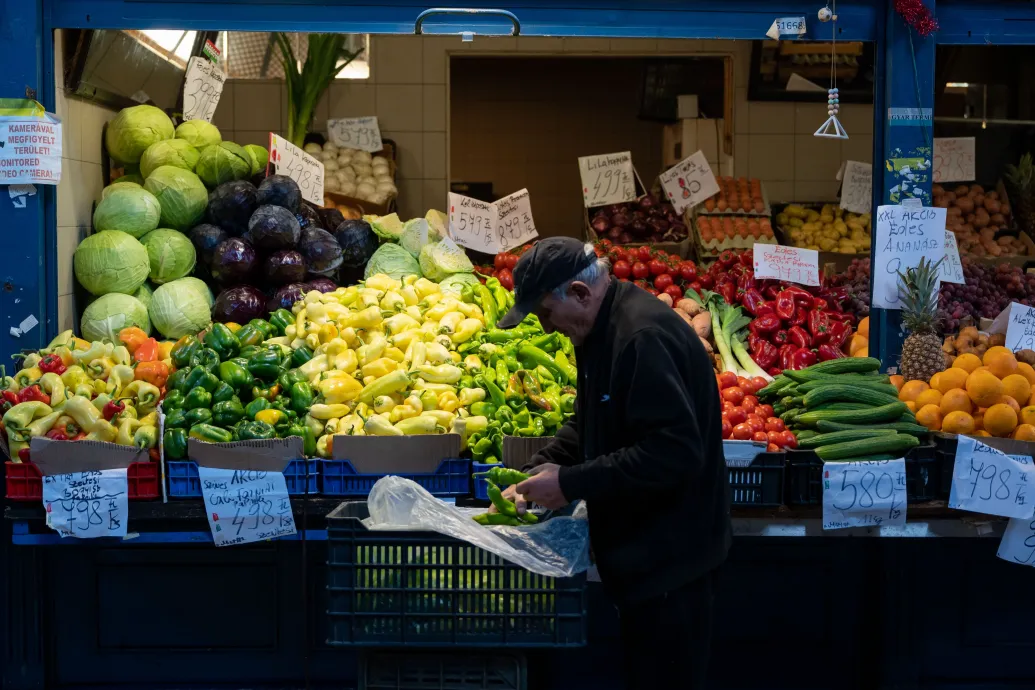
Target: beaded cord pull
{"x":832,"y":128}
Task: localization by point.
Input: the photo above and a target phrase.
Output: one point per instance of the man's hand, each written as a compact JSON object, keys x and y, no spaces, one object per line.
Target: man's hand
{"x":543,"y":487}
{"x":510,"y":493}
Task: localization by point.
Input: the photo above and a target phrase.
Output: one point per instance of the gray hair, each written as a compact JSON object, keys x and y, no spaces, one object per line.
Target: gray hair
{"x":589,"y":275}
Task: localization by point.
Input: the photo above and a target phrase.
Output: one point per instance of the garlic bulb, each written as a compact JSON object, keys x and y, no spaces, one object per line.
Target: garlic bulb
{"x":362,"y":156}
{"x":348,"y":188}
{"x":312,"y":148}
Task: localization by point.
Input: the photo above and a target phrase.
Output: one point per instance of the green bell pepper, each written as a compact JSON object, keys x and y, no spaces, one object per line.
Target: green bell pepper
{"x":301,"y":397}
{"x":199,"y":415}
{"x":281,"y":319}
{"x":290,"y":378}
{"x":198,"y":397}
{"x":173,"y":401}
{"x":246,"y":353}
{"x":177,"y":381}
{"x":177,"y":419}
{"x":175,"y":443}
{"x":222,"y":393}
{"x":205,"y":357}
{"x":263,"y":326}
{"x":234,"y":375}
{"x":210,"y":434}
{"x":255,"y":407}
{"x":221,"y":339}
{"x":265,"y":365}
{"x":249,"y":335}
{"x":301,"y":356}
{"x":183,"y":350}
{"x":253,"y":430}
{"x":227,"y":413}
{"x":200,"y":376}
{"x":269,"y":392}
{"x":308,"y":440}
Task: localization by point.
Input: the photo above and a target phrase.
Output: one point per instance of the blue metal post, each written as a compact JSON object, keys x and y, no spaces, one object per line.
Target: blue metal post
{"x":905,"y":75}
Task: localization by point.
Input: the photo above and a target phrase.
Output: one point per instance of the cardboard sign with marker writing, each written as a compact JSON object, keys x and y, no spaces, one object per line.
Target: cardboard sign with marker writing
{"x":268,"y":455}
{"x":903,"y":236}
{"x":1018,"y":322}
{"x":607,"y":179}
{"x":202,"y":88}
{"x":792,"y":264}
{"x":857,"y":187}
{"x":954,"y":159}
{"x":952,"y":267}
{"x":689,"y":182}
{"x":299,"y":166}
{"x":864,"y":494}
{"x":986,"y":480}
{"x":491,"y":228}
{"x":361,"y":133}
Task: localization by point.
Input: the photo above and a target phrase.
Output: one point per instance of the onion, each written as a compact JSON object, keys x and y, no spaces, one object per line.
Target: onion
{"x":639,"y":227}
{"x":614,"y":233}
{"x":600,"y":225}
{"x":647,"y":202}
{"x":624,"y":238}
{"x":620,"y":220}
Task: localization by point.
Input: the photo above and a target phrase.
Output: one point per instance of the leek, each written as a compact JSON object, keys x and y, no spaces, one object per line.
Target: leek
{"x":728,"y":329}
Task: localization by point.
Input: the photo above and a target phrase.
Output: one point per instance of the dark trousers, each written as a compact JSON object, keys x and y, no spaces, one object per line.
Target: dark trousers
{"x":667,"y":640}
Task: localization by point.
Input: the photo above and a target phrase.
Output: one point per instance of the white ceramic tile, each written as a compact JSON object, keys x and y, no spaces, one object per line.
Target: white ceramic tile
{"x":741,"y":111}
{"x":397,"y":59}
{"x":435,"y":57}
{"x":771,"y":118}
{"x":258,"y":105}
{"x":90,"y":186}
{"x":540,"y":44}
{"x":808,"y":117}
{"x":68,"y":238}
{"x":435,"y":107}
{"x":816,"y":190}
{"x":411,"y":198}
{"x":856,"y":118}
{"x":93,"y":118}
{"x":434,"y":164}
{"x":858,"y":147}
{"x":816,"y":158}
{"x":244,"y":137}
{"x":66,"y":313}
{"x":349,"y":98}
{"x":409,"y":154}
{"x":70,"y":111}
{"x":321,"y":113}
{"x":781,"y":191}
{"x":434,"y":194}
{"x":400,"y":108}
{"x":741,"y":152}
{"x":771,"y":157}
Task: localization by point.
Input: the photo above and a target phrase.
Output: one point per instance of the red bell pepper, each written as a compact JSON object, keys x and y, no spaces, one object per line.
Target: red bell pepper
{"x":819,"y":326}
{"x":842,"y":316}
{"x":746,"y":279}
{"x":770,"y":323}
{"x":766,"y":307}
{"x":767,"y":355}
{"x":774,"y":371}
{"x":819,"y":303}
{"x":803,"y":358}
{"x":728,"y":290}
{"x":52,"y":363}
{"x":752,"y":300}
{"x":785,"y":305}
{"x":839,"y":332}
{"x":780,"y":338}
{"x":8,"y":400}
{"x":799,"y":337}
{"x":828,"y":351}
{"x":23,"y":454}
{"x":801,"y":296}
{"x":801,"y":315}
{"x":753,"y":341}
{"x":33,"y":393}
{"x":57,"y":435}
{"x":787,"y":355}
{"x":771,"y":292}
{"x":727,"y":258}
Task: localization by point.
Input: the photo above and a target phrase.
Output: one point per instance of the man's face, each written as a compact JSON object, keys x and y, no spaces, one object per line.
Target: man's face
{"x":573,"y":316}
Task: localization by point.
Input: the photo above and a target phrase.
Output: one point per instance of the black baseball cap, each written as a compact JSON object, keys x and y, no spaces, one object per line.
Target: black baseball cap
{"x":546,"y":266}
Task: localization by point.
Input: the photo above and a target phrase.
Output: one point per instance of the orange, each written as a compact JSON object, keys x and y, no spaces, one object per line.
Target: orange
{"x":897,"y":380}
{"x":980,"y":433}
{"x":956,"y":400}
{"x":911,"y":406}
{"x":1027,"y":371}
{"x":911,"y":389}
{"x":1024,"y":432}
{"x":1000,"y":420}
{"x":864,"y":326}
{"x":857,"y":343}
{"x":1000,"y":362}
{"x":1017,"y":387}
{"x":983,"y":388}
{"x":1007,"y":400}
{"x":949,"y":379}
{"x":996,"y":349}
{"x":979,"y":417}
{"x":1028,"y":415}
{"x":968,"y":361}
{"x":936,"y":381}
{"x":929,"y":397}
{"x":929,"y":416}
{"x":958,"y":423}
{"x":981,"y":368}
{"x":862,"y":352}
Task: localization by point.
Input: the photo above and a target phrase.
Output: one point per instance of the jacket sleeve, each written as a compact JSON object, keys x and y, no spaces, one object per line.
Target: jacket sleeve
{"x":562,"y":450}
{"x":658,"y":402}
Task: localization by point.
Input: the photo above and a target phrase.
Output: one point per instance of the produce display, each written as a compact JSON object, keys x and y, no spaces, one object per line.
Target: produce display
{"x":716,"y":235}
{"x":506,"y":513}
{"x":830,"y":229}
{"x":977,"y":217}
{"x":355,"y":173}
{"x":856,"y":281}
{"x":737,"y":195}
{"x":647,"y":220}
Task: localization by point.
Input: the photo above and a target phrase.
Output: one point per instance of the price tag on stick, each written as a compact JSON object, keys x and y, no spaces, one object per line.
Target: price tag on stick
{"x":246,"y":505}
{"x":954,"y":159}
{"x":607,"y":179}
{"x":903,"y":237}
{"x":1018,"y":544}
{"x":792,"y":264}
{"x":299,"y":166}
{"x":864,"y":494}
{"x":360,"y":133}
{"x":87,"y":504}
{"x":689,"y":182}
{"x":952,"y":268}
{"x":857,"y":187}
{"x":202,"y":87}
{"x":494,"y":227}
{"x":986,"y":480}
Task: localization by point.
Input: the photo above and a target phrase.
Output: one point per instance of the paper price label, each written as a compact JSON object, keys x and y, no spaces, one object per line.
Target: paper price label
{"x":857,"y":187}
{"x":1020,"y":329}
{"x":864,"y":494}
{"x":299,"y":166}
{"x":952,"y":268}
{"x":954,"y":160}
{"x":360,"y":133}
{"x":491,"y":228}
{"x":202,"y":88}
{"x":986,"y":480}
{"x":689,"y":182}
{"x":607,"y":179}
{"x":792,"y":264}
{"x":903,"y":237}
{"x":245,"y":505}
{"x":786,"y":26}
{"x":86,"y":505}
{"x":1018,"y":544}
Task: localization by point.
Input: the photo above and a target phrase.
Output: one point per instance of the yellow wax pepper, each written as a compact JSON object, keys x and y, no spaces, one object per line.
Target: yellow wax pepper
{"x":339,"y":390}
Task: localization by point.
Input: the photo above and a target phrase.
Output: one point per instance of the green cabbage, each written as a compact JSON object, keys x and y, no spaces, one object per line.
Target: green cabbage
{"x":437,"y":222}
{"x":144,"y":293}
{"x":171,"y":254}
{"x":110,"y":261}
{"x":387,"y":227}
{"x":442,"y":259}
{"x":414,"y":236}
{"x":131,"y":178}
{"x":109,"y":314}
{"x":134,"y":129}
{"x":127,"y":207}
{"x":181,"y":194}
{"x":199,"y":133}
{"x":260,"y":156}
{"x":201,"y":287}
{"x":224,"y":162}
{"x":457,"y":281}
{"x":118,"y":184}
{"x":392,"y":260}
{"x":176,"y":152}
{"x":180,"y":308}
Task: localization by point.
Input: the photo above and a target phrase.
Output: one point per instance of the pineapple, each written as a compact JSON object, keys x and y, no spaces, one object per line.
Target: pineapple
{"x":922,"y":355}
{"x":1020,"y":180}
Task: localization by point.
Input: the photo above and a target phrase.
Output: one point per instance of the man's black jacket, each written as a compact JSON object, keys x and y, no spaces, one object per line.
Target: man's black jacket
{"x":645,"y":448}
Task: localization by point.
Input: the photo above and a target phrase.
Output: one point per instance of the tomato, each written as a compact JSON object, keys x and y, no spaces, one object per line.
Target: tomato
{"x":788,"y":439}
{"x":506,"y":278}
{"x":750,"y":398}
{"x":774,"y":424}
{"x":675,"y":292}
{"x":742,"y":432}
{"x":773,"y":448}
{"x":696,"y":287}
{"x":744,"y":383}
{"x":643,"y":253}
{"x":727,"y":379}
{"x":663,"y":281}
{"x":640,"y":270}
{"x":760,"y":437}
{"x":500,"y":261}
{"x":605,"y":243}
{"x":687,"y":271}
{"x":758,"y":383}
{"x":622,"y":269}
{"x":755,"y":422}
{"x":764,"y":411}
{"x":727,"y":406}
{"x":735,"y":415}
{"x":733,"y":394}
{"x":620,"y":254}
{"x":727,"y":428}
{"x":657,"y":267}
{"x":749,"y":406}
{"x":706,"y":281}
{"x":512,"y":260}
{"x":775,"y":437}
{"x":653,"y":291}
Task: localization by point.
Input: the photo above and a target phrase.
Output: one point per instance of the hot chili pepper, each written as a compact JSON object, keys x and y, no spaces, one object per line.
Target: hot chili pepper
{"x":819,"y":326}
{"x":8,"y":400}
{"x":502,"y":476}
{"x":785,"y":305}
{"x":487,"y":519}
{"x":532,"y":390}
{"x":501,"y":504}
{"x":147,"y":351}
{"x":787,"y":355}
{"x":752,"y":300}
{"x":52,"y":364}
{"x":113,"y":408}
{"x":767,"y":355}
{"x":801,"y":315}
{"x":770,"y":323}
{"x":803,"y":358}
{"x":33,"y":393}
{"x":839,"y":332}
{"x":842,"y":316}
{"x":799,"y":337}
{"x":828,"y":352}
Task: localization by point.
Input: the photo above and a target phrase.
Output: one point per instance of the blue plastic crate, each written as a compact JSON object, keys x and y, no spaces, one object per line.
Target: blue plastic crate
{"x":481,"y":487}
{"x":340,"y":478}
{"x":184,"y":481}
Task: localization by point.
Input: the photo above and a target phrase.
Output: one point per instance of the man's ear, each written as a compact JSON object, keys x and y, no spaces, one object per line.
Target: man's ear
{"x":581,"y":291}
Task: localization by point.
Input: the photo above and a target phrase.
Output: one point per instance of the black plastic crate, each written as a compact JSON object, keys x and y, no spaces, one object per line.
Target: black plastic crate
{"x":923,"y":474}
{"x":442,"y":671}
{"x":804,"y":479}
{"x":394,"y":588}
{"x":760,"y":484}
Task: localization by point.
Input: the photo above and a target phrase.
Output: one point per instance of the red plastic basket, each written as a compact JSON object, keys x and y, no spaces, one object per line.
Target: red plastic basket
{"x":25,"y":483}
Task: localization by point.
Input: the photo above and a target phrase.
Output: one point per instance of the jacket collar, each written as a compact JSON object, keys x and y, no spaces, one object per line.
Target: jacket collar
{"x":604,"y":315}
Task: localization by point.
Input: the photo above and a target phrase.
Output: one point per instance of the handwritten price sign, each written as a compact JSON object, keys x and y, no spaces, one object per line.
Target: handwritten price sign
{"x":86,"y":505}
{"x":246,"y":505}
{"x":952,"y":268}
{"x":299,"y":166}
{"x":494,"y":227}
{"x":792,"y":264}
{"x":202,"y":88}
{"x":1020,"y":329}
{"x":864,"y":494}
{"x":904,"y":235}
{"x":689,"y":182}
{"x":857,"y":187}
{"x":954,"y":159}
{"x":986,"y":480}
{"x":360,"y":133}
{"x":607,"y":179}
{"x":1018,"y":544}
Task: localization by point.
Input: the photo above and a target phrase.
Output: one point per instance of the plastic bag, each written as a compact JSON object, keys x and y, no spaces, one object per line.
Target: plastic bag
{"x":558,"y":547}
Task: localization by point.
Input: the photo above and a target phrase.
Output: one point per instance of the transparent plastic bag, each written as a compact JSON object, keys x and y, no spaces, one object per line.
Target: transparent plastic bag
{"x":558,"y":547}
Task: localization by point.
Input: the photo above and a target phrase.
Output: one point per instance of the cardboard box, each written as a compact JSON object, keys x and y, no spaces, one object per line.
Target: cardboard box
{"x":263,"y":455}
{"x":686,"y":107}
{"x":63,"y":457}
{"x":396,"y":454}
{"x":367,"y":207}
{"x":683,"y":138}
{"x":517,"y":450}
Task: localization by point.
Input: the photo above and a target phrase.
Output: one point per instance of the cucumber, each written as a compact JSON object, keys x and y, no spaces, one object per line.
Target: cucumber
{"x":774,"y":387}
{"x":868,"y":382}
{"x":869,"y":458}
{"x":843,"y":406}
{"x":790,"y":415}
{"x":873,"y":415}
{"x":891,"y":443}
{"x":827,"y":426}
{"x":846,"y":365}
{"x":802,"y":435}
{"x":827,"y":439}
{"x":847,"y":393}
